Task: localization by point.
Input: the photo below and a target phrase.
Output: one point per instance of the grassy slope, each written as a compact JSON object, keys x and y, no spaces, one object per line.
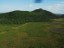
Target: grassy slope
{"x":32,"y":35}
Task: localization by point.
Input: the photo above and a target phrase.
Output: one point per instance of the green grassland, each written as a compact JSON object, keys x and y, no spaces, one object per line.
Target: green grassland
{"x":32,"y":35}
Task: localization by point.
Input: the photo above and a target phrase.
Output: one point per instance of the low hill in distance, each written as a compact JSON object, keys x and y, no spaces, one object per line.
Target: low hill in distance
{"x":19,"y":17}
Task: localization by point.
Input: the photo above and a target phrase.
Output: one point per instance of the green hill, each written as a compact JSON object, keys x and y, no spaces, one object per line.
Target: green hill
{"x":19,"y":17}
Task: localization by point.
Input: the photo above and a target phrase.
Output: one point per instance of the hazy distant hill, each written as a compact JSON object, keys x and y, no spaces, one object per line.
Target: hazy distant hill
{"x":17,"y":17}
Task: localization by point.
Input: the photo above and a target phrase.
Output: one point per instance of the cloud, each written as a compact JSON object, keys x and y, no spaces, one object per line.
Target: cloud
{"x":30,"y":5}
{"x":8,"y":8}
{"x":56,"y":8}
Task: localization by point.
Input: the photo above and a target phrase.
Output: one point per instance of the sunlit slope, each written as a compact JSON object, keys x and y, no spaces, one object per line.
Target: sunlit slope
{"x":32,"y":35}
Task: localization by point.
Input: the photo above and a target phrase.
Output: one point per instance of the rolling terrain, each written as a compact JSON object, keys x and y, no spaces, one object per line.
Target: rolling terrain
{"x":36,"y":29}
{"x":32,"y":35}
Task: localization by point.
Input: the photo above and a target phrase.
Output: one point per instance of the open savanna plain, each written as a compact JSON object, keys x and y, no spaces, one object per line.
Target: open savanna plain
{"x":32,"y":35}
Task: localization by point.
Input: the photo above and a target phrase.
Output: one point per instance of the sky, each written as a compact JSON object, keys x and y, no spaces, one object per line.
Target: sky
{"x":54,"y":6}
